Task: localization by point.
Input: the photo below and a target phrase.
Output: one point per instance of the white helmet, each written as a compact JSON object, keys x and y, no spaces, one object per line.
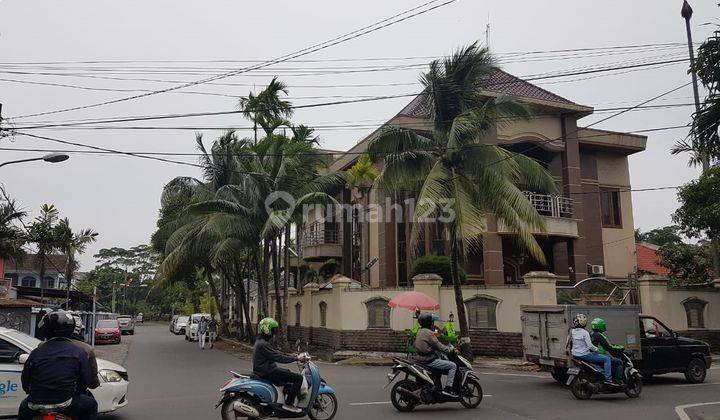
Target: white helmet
{"x":580,"y":320}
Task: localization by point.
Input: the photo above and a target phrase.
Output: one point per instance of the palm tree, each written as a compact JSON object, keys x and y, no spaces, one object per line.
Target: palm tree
{"x":360,"y":177}
{"x":267,"y":109}
{"x":42,"y":233}
{"x":12,"y":237}
{"x":71,"y":243}
{"x":455,"y":170}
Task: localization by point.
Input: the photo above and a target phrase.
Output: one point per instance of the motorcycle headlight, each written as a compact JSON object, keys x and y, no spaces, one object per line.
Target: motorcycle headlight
{"x":108,"y":375}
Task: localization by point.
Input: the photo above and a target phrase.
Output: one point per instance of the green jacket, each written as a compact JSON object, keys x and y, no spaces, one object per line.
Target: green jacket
{"x":604,"y":345}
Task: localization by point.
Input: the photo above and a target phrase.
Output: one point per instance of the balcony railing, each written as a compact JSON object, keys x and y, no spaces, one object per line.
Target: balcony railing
{"x":550,"y":205}
{"x":320,"y":233}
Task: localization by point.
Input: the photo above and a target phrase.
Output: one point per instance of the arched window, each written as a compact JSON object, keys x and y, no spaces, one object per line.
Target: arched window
{"x":298,"y":313}
{"x":378,"y":313}
{"x":49,"y":282}
{"x":323,"y":314}
{"x":694,"y":310}
{"x":481,"y":312}
{"x":28,"y":281}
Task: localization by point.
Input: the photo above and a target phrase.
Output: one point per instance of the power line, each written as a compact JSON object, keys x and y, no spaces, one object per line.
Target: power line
{"x":392,"y":20}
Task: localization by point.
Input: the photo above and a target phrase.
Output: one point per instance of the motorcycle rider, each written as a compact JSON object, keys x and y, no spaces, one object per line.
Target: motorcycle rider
{"x":605,"y":347}
{"x":58,"y":372}
{"x":426,"y":344}
{"x":582,"y":348}
{"x":265,"y":357}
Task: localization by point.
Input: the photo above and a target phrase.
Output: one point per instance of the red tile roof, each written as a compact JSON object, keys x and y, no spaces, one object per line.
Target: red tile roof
{"x":648,"y":259}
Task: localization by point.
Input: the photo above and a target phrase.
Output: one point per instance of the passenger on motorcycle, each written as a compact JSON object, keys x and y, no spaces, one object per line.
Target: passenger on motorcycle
{"x":605,"y":347}
{"x":58,"y":373}
{"x":426,"y":344}
{"x":582,"y":348}
{"x":265,"y":357}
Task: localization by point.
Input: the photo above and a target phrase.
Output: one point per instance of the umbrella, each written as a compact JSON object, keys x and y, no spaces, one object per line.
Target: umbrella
{"x":413,"y":301}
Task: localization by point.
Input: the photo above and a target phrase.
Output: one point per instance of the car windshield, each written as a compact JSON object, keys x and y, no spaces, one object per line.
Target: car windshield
{"x":107,"y":323}
{"x":183,"y":319}
{"x":24,"y":339}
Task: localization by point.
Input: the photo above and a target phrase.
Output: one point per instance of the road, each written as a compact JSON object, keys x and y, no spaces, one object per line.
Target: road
{"x":173,"y":379}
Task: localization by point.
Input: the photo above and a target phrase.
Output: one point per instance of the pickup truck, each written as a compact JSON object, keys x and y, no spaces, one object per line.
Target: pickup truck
{"x":654,"y":347}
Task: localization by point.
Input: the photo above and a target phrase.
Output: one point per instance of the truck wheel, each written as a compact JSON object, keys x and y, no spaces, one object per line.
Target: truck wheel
{"x":560,"y":375}
{"x":696,"y":371}
{"x":581,"y":387}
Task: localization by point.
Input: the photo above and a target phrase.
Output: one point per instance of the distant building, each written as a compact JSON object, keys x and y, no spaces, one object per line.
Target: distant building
{"x":648,"y":260}
{"x":26,"y":272}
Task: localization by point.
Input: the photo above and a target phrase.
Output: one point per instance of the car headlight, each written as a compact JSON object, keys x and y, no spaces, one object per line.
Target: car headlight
{"x":108,"y":375}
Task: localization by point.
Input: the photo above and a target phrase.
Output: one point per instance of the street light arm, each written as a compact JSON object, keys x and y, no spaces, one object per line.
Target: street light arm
{"x":20,"y":161}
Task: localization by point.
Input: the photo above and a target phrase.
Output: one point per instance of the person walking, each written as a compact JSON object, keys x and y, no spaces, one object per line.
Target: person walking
{"x":212,"y":330}
{"x":202,"y":332}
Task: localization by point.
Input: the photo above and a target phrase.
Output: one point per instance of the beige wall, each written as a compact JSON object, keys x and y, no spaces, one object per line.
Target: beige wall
{"x":666,"y":304}
{"x":618,"y":244}
{"x":546,"y":128}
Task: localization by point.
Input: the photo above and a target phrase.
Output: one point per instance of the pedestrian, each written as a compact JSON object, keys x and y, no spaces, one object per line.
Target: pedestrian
{"x":202,"y":331}
{"x":212,"y":330}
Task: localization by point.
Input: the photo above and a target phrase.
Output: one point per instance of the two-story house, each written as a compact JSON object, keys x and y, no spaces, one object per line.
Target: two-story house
{"x":26,"y":272}
{"x":589,"y":225}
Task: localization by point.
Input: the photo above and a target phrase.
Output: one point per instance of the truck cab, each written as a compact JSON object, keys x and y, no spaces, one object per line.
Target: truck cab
{"x":664,"y":351}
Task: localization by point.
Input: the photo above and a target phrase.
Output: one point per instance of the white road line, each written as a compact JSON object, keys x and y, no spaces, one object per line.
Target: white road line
{"x":702,"y":384}
{"x":388,"y":402}
{"x":680,"y":409}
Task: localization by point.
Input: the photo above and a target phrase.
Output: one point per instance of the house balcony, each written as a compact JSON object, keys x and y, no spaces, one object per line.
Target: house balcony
{"x":321,"y":241}
{"x":557,"y":212}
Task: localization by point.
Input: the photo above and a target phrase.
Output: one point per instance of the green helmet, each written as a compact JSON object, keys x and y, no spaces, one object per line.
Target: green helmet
{"x":598,"y":324}
{"x":267,"y":325}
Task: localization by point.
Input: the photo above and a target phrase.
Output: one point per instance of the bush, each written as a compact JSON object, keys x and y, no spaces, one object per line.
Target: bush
{"x":329,"y":269}
{"x":436,"y":264}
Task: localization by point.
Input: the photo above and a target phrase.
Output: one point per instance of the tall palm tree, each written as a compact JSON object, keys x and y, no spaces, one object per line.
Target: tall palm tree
{"x":71,"y":243}
{"x":455,"y":173}
{"x":42,"y":233}
{"x":267,"y":109}
{"x":12,"y":237}
{"x":360,"y":177}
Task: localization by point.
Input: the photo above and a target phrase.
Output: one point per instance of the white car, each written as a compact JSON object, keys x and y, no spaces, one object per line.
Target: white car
{"x":179,"y":326}
{"x":15,"y":346}
{"x":192,"y":326}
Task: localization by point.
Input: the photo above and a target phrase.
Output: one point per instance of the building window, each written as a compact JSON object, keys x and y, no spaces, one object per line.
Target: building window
{"x":610,"y":208}
{"x":694,"y":310}
{"x":481,"y":313}
{"x":323,"y":314}
{"x":298,"y":313}
{"x":49,"y":282}
{"x":378,"y":313}
{"x":28,"y":281}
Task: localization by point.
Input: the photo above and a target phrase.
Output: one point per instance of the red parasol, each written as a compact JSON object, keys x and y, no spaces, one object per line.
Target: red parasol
{"x":413,"y":301}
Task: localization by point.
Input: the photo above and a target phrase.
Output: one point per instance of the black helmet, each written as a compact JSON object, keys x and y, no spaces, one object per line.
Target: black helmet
{"x":425,"y":320}
{"x":57,"y":324}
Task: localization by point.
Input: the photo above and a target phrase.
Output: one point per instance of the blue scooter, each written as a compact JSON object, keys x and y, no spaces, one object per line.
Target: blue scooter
{"x":247,"y":396}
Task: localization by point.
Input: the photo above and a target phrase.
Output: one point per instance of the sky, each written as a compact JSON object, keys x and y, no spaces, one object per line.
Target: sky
{"x":52,"y":42}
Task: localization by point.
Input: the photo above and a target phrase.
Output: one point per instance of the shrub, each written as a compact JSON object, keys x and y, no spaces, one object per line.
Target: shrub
{"x":329,"y":269}
{"x":436,"y":264}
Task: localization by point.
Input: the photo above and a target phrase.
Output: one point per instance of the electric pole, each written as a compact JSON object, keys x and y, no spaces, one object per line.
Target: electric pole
{"x":687,"y":13}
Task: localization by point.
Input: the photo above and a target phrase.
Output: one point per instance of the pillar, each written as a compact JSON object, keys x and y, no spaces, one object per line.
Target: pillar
{"x":653,"y":294}
{"x":573,"y":188}
{"x":428,"y":284}
{"x":335,"y":310}
{"x":492,"y":254}
{"x":307,"y":304}
{"x":542,"y":287}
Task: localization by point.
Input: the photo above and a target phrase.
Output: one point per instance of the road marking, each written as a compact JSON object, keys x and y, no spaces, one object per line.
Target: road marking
{"x":680,"y":409}
{"x":388,"y":402}
{"x":702,"y":384}
{"x":524,"y":375}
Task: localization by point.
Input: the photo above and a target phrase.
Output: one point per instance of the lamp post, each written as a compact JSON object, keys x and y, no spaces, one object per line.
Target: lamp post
{"x":51,"y":158}
{"x":686,"y":12}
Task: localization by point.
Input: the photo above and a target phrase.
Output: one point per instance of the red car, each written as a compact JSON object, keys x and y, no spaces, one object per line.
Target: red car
{"x":107,"y":331}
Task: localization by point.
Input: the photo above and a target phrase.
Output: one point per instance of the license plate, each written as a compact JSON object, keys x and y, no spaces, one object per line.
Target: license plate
{"x":573,"y":371}
{"x":547,"y":362}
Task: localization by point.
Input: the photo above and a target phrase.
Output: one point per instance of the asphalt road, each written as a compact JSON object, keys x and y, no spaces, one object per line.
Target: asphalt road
{"x":173,"y":379}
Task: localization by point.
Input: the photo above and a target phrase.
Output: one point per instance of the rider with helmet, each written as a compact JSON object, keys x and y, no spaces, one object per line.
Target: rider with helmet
{"x":582,"y":348}
{"x":265,"y":357}
{"x":58,"y":373}
{"x":600,"y":340}
{"x":426,"y":344}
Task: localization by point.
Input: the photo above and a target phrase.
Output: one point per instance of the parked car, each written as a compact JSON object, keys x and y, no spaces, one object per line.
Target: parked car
{"x":192,"y":326}
{"x":180,"y":324}
{"x":107,"y":331}
{"x":127,"y":325}
{"x":172,"y":323}
{"x":15,"y":346}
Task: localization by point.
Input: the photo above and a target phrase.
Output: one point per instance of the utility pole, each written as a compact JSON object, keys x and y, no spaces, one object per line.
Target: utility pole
{"x":687,"y":13}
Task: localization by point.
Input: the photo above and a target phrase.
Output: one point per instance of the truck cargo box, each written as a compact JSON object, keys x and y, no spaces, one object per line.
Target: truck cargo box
{"x":545,"y":330}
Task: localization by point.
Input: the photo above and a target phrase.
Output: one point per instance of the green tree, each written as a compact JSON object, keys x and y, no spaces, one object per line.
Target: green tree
{"x":454,"y":169}
{"x":12,"y":236}
{"x":686,"y":263}
{"x":659,"y":236}
{"x":267,"y":109}
{"x":42,"y":233}
{"x":72,"y":243}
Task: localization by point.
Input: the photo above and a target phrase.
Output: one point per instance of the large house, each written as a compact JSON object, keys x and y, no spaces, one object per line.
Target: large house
{"x":589,"y":225}
{"x":26,"y":272}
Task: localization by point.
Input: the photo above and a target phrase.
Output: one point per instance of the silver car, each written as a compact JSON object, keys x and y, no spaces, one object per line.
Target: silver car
{"x":127,"y":324}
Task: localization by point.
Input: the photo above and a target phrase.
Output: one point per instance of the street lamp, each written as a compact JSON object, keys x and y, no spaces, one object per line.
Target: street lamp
{"x":51,"y":158}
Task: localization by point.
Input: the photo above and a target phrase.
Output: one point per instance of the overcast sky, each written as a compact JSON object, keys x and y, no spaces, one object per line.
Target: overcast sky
{"x":119,"y":196}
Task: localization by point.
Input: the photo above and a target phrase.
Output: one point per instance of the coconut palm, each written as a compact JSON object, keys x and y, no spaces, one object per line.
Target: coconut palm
{"x":453,"y":172}
{"x":71,"y":243}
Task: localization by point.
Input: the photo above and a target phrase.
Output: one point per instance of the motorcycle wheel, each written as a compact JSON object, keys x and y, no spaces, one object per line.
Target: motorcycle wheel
{"x":471,"y":394}
{"x":581,"y":388}
{"x":399,"y":401}
{"x":634,"y":386}
{"x":228,"y":413}
{"x":325,"y":407}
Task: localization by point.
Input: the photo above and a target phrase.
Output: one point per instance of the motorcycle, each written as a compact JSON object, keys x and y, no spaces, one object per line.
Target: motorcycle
{"x":586,"y":379}
{"x":49,"y":411}
{"x":423,"y":385}
{"x":247,"y":396}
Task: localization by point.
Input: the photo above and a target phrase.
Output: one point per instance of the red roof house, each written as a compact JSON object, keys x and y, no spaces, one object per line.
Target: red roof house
{"x":648,"y":260}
